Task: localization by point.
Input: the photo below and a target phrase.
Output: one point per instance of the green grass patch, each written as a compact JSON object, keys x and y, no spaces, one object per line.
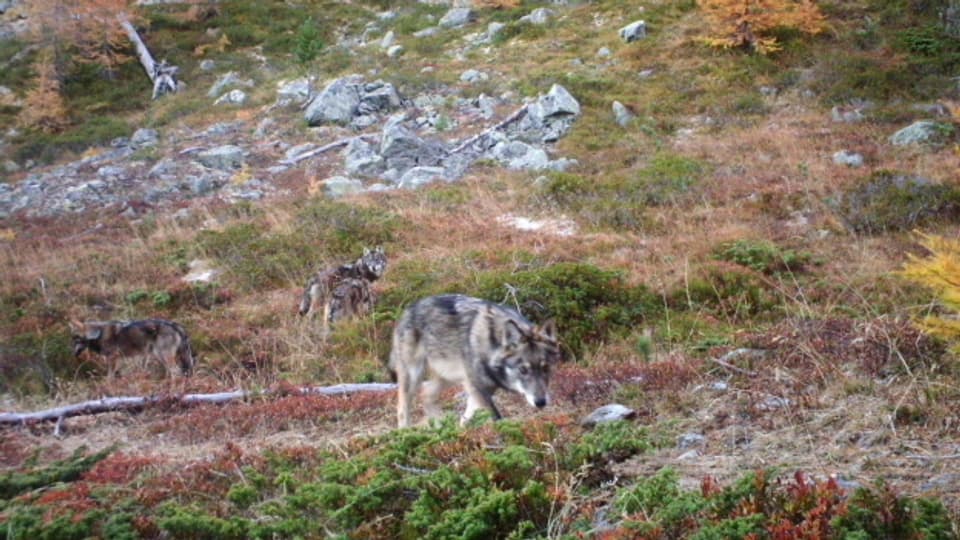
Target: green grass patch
{"x":588,"y":303}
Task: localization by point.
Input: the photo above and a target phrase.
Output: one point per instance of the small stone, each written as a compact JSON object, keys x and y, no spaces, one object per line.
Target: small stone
{"x":622,"y":114}
{"x":689,"y":440}
{"x":608,"y":413}
{"x":634,"y":31}
{"x":395,"y":51}
{"x":850,"y":159}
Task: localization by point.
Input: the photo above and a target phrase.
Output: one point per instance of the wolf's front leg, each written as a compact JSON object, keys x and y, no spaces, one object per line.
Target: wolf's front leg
{"x":476,"y":400}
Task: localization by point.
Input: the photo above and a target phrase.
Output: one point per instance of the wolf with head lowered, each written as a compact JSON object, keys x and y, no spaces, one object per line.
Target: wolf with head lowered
{"x":157,"y":339}
{"x":483,"y":346}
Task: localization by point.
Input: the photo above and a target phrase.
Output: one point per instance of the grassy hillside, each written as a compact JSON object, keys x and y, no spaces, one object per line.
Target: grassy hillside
{"x":715,"y":220}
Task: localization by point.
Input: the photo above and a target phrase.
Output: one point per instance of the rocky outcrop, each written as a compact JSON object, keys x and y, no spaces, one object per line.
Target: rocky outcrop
{"x":351,"y":101}
{"x":233,"y":161}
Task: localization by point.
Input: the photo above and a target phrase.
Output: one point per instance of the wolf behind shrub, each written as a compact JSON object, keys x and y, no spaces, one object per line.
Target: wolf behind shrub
{"x":344,"y":291}
{"x":483,"y":346}
{"x":158,"y":339}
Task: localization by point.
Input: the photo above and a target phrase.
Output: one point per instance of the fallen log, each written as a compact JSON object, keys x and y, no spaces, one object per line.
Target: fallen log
{"x":325,"y":148}
{"x":514,"y":116}
{"x":163,"y":75}
{"x":139,"y":403}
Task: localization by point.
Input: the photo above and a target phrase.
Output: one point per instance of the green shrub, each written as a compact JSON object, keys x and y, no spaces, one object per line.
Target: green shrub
{"x":589,"y":304}
{"x":669,"y":178}
{"x":519,"y":29}
{"x":68,"y":470}
{"x":761,"y":255}
{"x":619,"y":202}
{"x":344,"y":229}
{"x":610,"y":442}
{"x":256,"y":259}
{"x":728,"y":290}
{"x":32,"y":363}
{"x":881,"y":513}
{"x":195,"y":523}
{"x":890,"y":201}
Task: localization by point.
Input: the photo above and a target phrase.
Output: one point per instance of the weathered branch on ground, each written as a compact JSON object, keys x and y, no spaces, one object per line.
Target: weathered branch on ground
{"x":317,"y":151}
{"x":139,"y":403}
{"x":163,"y":75}
{"x":514,"y":116}
{"x":725,"y":360}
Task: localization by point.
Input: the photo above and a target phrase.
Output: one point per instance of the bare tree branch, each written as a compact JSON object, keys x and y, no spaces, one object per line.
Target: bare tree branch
{"x":139,"y":403}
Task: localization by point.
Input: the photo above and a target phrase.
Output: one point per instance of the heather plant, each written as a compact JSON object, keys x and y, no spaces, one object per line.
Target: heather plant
{"x":759,"y":505}
{"x":499,"y":480}
{"x":67,"y":470}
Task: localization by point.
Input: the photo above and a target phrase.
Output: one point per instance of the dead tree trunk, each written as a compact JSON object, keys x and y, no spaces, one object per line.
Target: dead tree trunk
{"x":139,"y":403}
{"x":163,"y":75}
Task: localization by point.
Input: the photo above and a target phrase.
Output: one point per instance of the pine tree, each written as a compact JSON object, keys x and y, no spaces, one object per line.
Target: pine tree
{"x":747,"y":23}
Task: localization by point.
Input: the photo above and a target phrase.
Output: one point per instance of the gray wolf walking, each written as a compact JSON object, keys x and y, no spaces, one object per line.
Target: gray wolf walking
{"x":158,"y":339}
{"x":481,"y":345}
{"x":344,"y":291}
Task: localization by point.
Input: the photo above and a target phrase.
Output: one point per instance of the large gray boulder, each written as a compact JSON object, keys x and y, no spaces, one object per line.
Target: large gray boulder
{"x":144,"y":137}
{"x":924,"y":131}
{"x":233,"y":97}
{"x":539,"y":16}
{"x":224,"y":158}
{"x":337,"y":103}
{"x":339,"y":186}
{"x":402,"y":149}
{"x":295,"y":92}
{"x":360,"y":158}
{"x":421,"y":176}
{"x":350,"y":100}
{"x":226,"y":81}
{"x":378,"y":97}
{"x":549,"y":118}
{"x":517,"y":155}
{"x":457,"y":17}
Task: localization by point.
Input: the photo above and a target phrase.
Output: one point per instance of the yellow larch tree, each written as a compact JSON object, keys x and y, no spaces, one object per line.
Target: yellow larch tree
{"x":940,"y":272}
{"x":748,"y":23}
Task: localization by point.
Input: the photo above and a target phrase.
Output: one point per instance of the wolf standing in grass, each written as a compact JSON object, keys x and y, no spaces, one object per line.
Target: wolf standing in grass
{"x":164,"y":341}
{"x":478,"y":344}
{"x":344,"y":291}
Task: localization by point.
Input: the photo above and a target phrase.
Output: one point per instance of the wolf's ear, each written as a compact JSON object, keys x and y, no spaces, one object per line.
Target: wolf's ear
{"x":366,"y":251}
{"x":548,"y":330}
{"x":511,"y":332}
{"x":379,"y":250}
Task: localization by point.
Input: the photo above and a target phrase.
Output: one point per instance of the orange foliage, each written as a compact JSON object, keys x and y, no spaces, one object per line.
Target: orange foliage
{"x":118,"y":468}
{"x":44,"y":108}
{"x":746,"y":23}
{"x":91,"y":27}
